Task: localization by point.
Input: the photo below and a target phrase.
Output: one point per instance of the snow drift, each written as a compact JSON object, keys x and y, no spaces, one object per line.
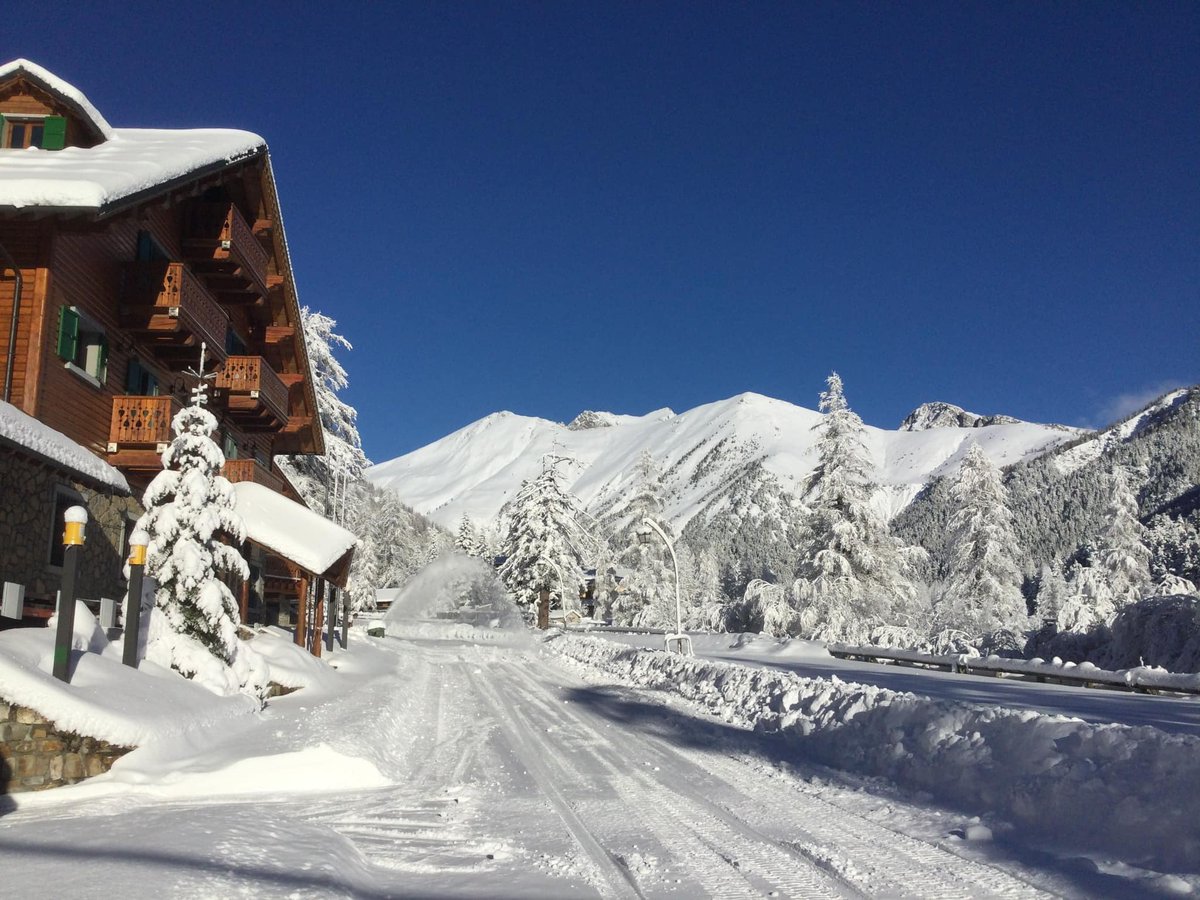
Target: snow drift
{"x":1123,"y":790}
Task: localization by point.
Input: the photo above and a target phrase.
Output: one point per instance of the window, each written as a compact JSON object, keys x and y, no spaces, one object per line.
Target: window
{"x":229,"y":446}
{"x":140,"y":381}
{"x":64,"y":499}
{"x":148,"y":249}
{"x":81,"y":342}
{"x":20,"y":132}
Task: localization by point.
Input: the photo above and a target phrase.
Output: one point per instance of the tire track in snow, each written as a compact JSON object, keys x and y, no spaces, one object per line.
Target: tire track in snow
{"x":731,"y":857}
{"x":864,"y":853}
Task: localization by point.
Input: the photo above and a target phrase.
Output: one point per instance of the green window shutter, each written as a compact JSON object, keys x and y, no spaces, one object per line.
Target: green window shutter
{"x":3,"y":138}
{"x":54,"y":133}
{"x":102,"y":374}
{"x":68,"y":332}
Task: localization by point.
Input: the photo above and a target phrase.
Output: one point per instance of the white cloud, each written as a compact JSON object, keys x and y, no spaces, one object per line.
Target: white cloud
{"x":1130,"y":402}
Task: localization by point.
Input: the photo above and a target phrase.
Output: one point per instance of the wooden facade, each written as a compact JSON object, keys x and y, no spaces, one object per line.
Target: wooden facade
{"x":133,"y":287}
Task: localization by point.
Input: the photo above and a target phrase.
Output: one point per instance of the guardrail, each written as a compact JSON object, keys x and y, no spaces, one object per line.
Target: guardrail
{"x":1142,"y":679}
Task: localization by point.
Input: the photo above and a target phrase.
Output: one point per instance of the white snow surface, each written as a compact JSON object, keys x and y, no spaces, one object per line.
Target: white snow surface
{"x":453,"y":766}
{"x":1128,"y":790}
{"x":62,"y":88}
{"x":477,"y":469}
{"x":28,"y":432}
{"x":293,"y":531}
{"x":131,"y":160}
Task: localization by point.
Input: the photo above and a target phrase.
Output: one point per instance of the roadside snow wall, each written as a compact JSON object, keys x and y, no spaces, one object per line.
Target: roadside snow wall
{"x":1133,"y":792}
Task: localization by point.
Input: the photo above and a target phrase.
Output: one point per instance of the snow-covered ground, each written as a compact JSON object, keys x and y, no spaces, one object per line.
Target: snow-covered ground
{"x":450,"y":761}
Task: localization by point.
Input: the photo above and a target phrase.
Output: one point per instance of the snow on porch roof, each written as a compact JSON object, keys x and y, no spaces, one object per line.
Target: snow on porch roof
{"x":290,"y":530}
{"x":42,"y":441}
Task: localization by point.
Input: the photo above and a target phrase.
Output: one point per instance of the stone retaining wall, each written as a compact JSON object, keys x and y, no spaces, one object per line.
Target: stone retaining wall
{"x":34,"y":755}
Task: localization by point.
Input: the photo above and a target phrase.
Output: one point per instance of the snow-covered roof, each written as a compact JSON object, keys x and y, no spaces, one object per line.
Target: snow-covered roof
{"x":132,"y":161}
{"x":55,"y":85}
{"x":291,"y":530}
{"x":43,"y":441}
{"x":128,"y":162}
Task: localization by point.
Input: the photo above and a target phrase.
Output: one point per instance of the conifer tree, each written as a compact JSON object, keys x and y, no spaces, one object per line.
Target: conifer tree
{"x":543,"y":541}
{"x":850,"y":570}
{"x":1124,"y":557}
{"x":189,"y":506}
{"x":982,"y":592}
{"x":648,"y":597}
{"x":467,"y":540}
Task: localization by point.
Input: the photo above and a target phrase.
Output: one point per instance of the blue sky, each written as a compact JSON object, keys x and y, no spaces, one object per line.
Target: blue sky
{"x":550,"y":207}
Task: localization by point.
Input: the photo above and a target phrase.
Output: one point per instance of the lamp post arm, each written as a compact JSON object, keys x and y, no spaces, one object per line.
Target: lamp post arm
{"x":675,"y":565}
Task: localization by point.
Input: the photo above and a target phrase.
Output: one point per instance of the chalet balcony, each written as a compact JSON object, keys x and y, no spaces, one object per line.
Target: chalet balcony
{"x":222,"y":248}
{"x":172,"y":312}
{"x":140,"y":431}
{"x":252,"y":394}
{"x":251,"y":469}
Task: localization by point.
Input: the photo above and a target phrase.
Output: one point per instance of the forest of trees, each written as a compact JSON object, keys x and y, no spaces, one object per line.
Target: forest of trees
{"x":979,"y":560}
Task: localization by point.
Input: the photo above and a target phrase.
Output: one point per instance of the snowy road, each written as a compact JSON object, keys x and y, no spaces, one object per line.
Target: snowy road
{"x":508,"y":774}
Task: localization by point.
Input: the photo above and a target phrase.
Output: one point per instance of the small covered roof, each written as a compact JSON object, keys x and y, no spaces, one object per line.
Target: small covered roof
{"x":293,"y":531}
{"x":41,"y":442}
{"x":65,"y":92}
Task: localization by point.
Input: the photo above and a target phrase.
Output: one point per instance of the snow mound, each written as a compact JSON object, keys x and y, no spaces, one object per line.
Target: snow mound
{"x":1114,"y":788}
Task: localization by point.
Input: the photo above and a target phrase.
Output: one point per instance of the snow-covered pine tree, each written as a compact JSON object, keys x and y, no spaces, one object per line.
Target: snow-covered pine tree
{"x":1124,"y":558}
{"x":467,"y":540}
{"x":314,"y":476}
{"x":850,"y":576}
{"x":982,"y":590}
{"x":648,"y":597}
{"x":1086,"y":601}
{"x":189,"y":505}
{"x":544,"y":542}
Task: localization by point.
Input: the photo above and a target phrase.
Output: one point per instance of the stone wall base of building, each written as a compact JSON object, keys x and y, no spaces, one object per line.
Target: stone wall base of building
{"x":35,"y":755}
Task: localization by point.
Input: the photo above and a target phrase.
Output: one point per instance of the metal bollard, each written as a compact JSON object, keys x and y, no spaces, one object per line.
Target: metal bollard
{"x":138,"y":541}
{"x":73,"y":535}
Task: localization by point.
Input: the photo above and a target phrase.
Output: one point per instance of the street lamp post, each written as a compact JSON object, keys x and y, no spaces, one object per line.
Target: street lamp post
{"x":562,"y":590}
{"x":679,"y":642}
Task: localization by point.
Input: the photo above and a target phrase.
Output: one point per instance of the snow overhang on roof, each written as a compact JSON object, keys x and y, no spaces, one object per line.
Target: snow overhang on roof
{"x":43,"y":443}
{"x":292,"y":530}
{"x":129,"y":165}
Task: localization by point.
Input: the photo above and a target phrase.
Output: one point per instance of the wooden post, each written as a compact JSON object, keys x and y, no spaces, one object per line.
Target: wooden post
{"x":244,"y":602}
{"x":319,"y":618}
{"x":302,"y":611}
{"x":543,"y":615}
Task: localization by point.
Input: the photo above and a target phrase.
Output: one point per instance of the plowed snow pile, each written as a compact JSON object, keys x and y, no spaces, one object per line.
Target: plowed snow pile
{"x":1130,"y":791}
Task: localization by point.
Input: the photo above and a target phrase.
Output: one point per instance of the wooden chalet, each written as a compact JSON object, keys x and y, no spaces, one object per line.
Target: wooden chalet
{"x":127,"y":249}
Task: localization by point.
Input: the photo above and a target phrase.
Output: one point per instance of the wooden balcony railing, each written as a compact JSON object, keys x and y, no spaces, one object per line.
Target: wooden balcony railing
{"x":250,"y":469}
{"x":173,"y":311}
{"x":252,"y":393}
{"x":223,"y":249}
{"x":140,"y":430}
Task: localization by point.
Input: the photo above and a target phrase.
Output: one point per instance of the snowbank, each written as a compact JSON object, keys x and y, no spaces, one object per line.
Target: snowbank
{"x":105,"y":699}
{"x":290,"y":665}
{"x":1127,"y":791}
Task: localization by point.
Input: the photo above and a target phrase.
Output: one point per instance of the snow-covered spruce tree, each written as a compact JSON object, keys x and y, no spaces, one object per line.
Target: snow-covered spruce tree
{"x":982,"y":591}
{"x":189,"y":505}
{"x":543,"y":542}
{"x":850,"y":573}
{"x":648,"y":596}
{"x":467,"y":540}
{"x":313,"y":476}
{"x":1124,"y":558}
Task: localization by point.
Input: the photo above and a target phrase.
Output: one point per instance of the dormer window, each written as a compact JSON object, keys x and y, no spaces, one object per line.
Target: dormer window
{"x":20,"y":132}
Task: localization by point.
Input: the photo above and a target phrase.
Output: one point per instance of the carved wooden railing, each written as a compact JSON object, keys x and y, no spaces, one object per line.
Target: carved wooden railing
{"x":250,"y":469}
{"x":162,"y":289}
{"x":141,"y":421}
{"x":253,"y":376}
{"x":217,"y":231}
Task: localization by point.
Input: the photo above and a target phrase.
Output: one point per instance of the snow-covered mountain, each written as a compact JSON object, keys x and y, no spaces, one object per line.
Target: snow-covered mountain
{"x":947,"y":415}
{"x":703,"y":454}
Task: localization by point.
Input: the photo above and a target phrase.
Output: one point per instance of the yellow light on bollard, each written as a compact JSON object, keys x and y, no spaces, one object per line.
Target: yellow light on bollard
{"x":76,"y":520}
{"x":138,"y":541}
